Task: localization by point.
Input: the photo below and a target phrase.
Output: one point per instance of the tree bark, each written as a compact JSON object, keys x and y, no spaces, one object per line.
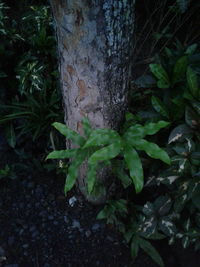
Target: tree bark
{"x":95,"y":44}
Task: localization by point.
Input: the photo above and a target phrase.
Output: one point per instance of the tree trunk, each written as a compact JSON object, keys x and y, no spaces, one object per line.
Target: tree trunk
{"x":95,"y":44}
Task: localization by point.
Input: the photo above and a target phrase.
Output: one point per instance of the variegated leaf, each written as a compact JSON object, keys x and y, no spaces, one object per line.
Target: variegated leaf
{"x":177,"y":133}
{"x":148,"y":209}
{"x":167,"y":226}
{"x":148,"y":227}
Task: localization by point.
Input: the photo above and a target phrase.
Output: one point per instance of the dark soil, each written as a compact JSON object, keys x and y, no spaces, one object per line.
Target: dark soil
{"x":40,"y":227}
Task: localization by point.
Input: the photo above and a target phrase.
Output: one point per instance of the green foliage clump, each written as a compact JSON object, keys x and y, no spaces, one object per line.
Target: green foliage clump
{"x":173,"y":212}
{"x":30,"y":98}
{"x":104,"y":145}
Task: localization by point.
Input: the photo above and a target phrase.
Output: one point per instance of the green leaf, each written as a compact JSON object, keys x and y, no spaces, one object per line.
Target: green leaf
{"x":129,"y":116}
{"x":120,"y":205}
{"x":192,"y":81}
{"x":191,"y":49}
{"x":149,"y":226}
{"x":185,"y":241}
{"x":190,"y":145}
{"x":161,"y":75}
{"x":191,"y":117}
{"x":129,"y":234}
{"x":10,"y":135}
{"x":180,"y":149}
{"x":114,"y":209}
{"x":156,"y":236}
{"x":148,"y":209}
{"x":160,"y":202}
{"x":134,"y":247}
{"x":165,"y":206}
{"x":151,"y":251}
{"x":135,"y":166}
{"x":167,"y":226}
{"x":145,"y":81}
{"x":73,"y":170}
{"x":16,"y":115}
{"x":187,"y":224}
{"x":168,"y":180}
{"x":102,"y":137}
{"x":178,"y":133}
{"x":168,"y":52}
{"x":152,"y":150}
{"x":163,"y":84}
{"x":68,"y":133}
{"x":187,"y":94}
{"x":152,"y":128}
{"x":106,"y":212}
{"x":62,"y":154}
{"x":196,"y":106}
{"x":118,"y":169}
{"x":105,"y":153}
{"x":86,"y":127}
{"x":159,"y":106}
{"x":91,"y":177}
{"x":135,"y":131}
{"x":180,"y":69}
{"x":182,"y":165}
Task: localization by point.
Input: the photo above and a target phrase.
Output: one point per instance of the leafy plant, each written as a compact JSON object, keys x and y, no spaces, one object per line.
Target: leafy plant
{"x":186,"y":158}
{"x":157,"y":217}
{"x":160,"y":23}
{"x":33,"y":116}
{"x":30,"y":102}
{"x":103,"y":145}
{"x":161,"y":75}
{"x":170,"y":92}
{"x":176,"y":76}
{"x":30,"y":77}
{"x":39,"y":16}
{"x":114,"y":211}
{"x":138,"y":241}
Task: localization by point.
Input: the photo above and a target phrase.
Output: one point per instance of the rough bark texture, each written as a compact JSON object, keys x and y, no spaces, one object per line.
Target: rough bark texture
{"x":94,"y":47}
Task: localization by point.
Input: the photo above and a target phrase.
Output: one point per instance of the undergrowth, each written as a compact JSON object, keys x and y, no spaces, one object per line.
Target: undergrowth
{"x":156,"y":154}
